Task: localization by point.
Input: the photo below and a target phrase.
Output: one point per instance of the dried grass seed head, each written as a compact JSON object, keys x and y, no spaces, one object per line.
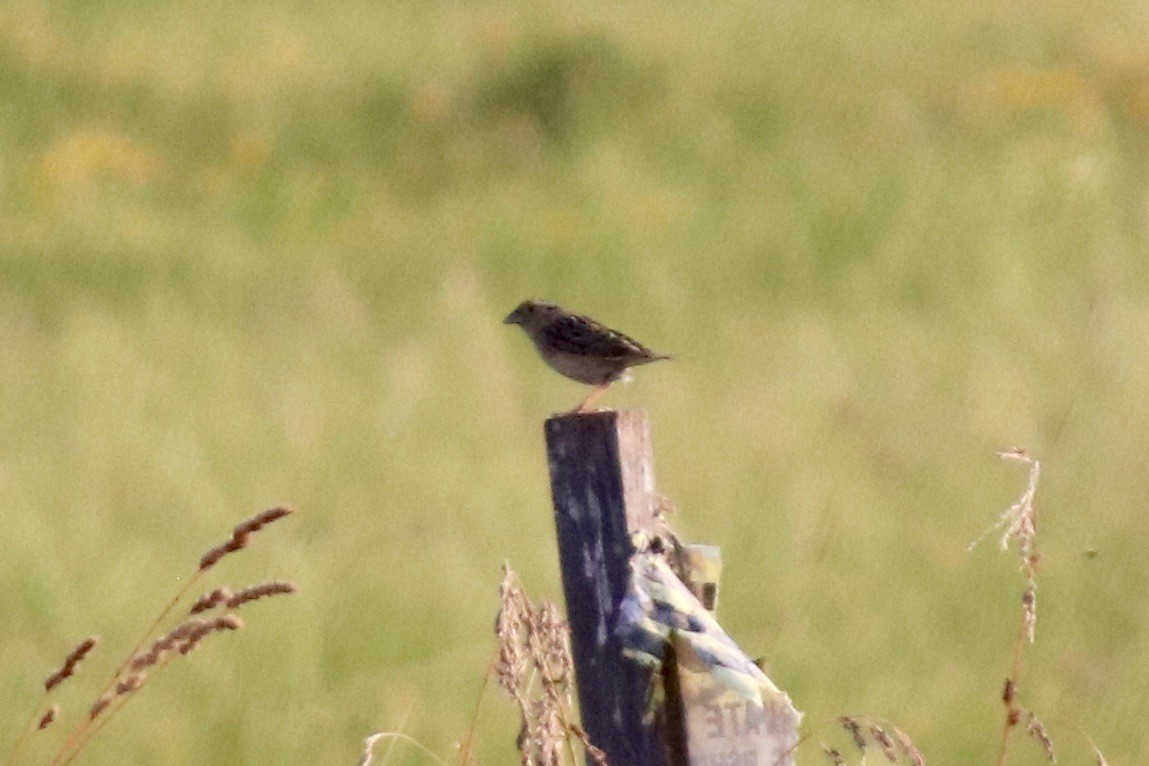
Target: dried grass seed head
{"x":834,"y":755}
{"x":210,"y":600}
{"x":212,"y":557}
{"x":596,"y":754}
{"x":130,"y":683}
{"x":242,"y":533}
{"x":851,"y":724}
{"x":256,"y":592}
{"x":549,"y":642}
{"x":510,"y":622}
{"x":885,"y":742}
{"x":262,"y":519}
{"x":1029,"y":609}
{"x":909,"y":748}
{"x":204,"y":628}
{"x":74,"y":658}
{"x":550,"y":734}
{"x":1019,"y":523}
{"x":1036,"y":729}
{"x":50,"y":715}
{"x":100,"y":705}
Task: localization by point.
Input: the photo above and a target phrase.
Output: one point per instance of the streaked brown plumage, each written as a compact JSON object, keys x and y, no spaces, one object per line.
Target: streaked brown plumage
{"x":579,"y":347}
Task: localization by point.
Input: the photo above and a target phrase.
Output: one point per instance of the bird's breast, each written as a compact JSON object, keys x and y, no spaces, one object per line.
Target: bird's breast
{"x":594,"y":371}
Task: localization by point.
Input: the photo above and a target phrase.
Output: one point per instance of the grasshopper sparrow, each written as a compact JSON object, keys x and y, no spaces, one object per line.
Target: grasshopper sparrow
{"x":579,"y":347}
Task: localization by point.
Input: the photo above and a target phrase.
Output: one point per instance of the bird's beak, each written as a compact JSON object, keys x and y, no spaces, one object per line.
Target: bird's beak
{"x":512,"y":318}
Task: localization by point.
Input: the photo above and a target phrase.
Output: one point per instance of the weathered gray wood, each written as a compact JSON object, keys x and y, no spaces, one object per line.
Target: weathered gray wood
{"x":602,"y":484}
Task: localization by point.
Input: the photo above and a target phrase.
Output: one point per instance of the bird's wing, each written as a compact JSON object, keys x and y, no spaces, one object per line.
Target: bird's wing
{"x":575,"y":334}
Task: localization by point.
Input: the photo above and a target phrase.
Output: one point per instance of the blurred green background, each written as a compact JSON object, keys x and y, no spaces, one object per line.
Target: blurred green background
{"x":254,"y":253}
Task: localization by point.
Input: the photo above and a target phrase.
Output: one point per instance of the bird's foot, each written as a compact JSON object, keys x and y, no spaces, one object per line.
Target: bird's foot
{"x":584,"y":405}
{"x":585,"y":411}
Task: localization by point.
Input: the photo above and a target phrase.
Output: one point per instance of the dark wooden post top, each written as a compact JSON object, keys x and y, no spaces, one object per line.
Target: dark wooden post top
{"x":602,"y":483}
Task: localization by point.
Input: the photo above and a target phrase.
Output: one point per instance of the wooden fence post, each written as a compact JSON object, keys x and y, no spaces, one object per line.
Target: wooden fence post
{"x":602,"y":483}
{"x":719,"y":706}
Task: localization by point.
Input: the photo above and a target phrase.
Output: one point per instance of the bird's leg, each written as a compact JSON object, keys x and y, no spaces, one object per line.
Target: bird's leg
{"x":598,"y":391}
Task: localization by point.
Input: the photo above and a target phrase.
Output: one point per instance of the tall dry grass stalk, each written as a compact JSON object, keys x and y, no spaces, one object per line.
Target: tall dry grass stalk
{"x":367,"y":756}
{"x":532,"y":663}
{"x":1018,"y":527}
{"x":534,"y":667}
{"x":868,"y":734}
{"x":38,"y":721}
{"x":1018,"y":524}
{"x":140,"y":664}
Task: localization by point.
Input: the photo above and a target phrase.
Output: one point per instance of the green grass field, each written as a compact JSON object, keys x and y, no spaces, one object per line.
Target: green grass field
{"x":259,"y":253}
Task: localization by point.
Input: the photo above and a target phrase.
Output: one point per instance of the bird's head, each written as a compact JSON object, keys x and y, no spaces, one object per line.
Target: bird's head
{"x":532,"y":313}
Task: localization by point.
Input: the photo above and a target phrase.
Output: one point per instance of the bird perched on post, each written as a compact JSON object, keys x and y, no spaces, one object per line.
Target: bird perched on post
{"x":579,"y":347}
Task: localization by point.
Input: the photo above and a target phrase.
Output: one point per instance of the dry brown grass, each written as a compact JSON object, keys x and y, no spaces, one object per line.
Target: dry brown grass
{"x":532,"y":664}
{"x":141,"y":665}
{"x":866,"y":733}
{"x":534,"y":667}
{"x":1018,"y":524}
